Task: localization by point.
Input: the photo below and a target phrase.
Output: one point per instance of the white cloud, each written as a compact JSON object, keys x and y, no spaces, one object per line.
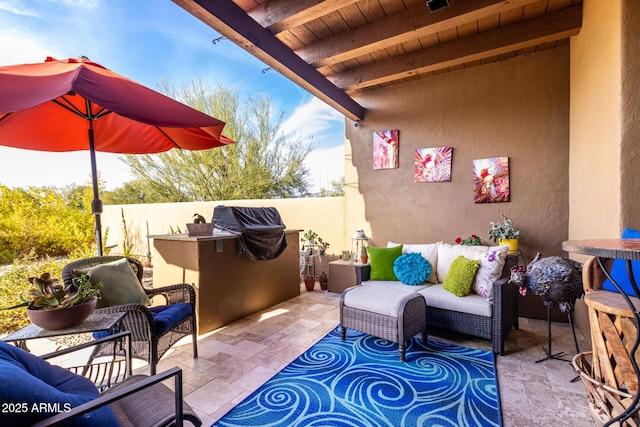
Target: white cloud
{"x":322,"y":124}
{"x":310,"y":119}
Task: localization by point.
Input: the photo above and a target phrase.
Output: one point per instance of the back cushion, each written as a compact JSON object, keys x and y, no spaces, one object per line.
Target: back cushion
{"x":28,"y":380}
{"x":447,"y":253}
{"x":428,"y":252}
{"x":381,"y":261}
{"x":491,"y":265}
{"x":121,"y":285}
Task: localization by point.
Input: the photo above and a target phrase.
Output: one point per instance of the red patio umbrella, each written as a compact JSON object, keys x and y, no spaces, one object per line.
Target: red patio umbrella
{"x":76,"y":104}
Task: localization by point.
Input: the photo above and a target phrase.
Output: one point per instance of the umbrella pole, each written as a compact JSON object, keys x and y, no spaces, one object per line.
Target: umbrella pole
{"x":96,"y":203}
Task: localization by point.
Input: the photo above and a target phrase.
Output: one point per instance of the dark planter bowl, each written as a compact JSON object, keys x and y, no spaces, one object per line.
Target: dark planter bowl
{"x":205,"y":229}
{"x":52,"y":320}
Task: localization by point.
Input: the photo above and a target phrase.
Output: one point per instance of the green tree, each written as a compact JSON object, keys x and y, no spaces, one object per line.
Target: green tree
{"x":262,"y":164}
{"x":132,"y":192}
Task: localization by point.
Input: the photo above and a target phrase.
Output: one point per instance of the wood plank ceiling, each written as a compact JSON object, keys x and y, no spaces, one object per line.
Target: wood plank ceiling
{"x":338,"y":48}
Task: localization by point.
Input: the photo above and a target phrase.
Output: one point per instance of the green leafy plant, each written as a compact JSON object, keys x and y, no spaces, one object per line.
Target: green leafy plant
{"x":503,"y":230}
{"x":54,"y":222}
{"x":473,"y":240}
{"x":310,"y":237}
{"x":47,"y":293}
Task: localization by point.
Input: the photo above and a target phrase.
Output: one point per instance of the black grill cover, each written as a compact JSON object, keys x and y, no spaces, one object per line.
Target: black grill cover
{"x":261,"y":231}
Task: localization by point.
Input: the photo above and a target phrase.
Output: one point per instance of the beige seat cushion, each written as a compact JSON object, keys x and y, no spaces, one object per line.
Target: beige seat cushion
{"x":436,"y":296}
{"x":377,"y":299}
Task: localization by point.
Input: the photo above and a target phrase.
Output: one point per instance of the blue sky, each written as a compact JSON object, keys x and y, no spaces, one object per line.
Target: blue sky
{"x":147,"y":41}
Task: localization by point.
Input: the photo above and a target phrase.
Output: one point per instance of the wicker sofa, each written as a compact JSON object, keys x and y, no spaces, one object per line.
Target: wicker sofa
{"x":490,"y":317}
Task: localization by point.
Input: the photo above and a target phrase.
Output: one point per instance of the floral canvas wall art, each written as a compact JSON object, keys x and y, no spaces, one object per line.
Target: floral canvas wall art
{"x":433,"y":164}
{"x":385,"y":149}
{"x":491,"y":180}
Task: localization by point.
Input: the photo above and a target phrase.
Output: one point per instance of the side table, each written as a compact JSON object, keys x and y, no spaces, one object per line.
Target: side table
{"x":612,"y":339}
{"x":345,"y":274}
{"x":94,"y":323}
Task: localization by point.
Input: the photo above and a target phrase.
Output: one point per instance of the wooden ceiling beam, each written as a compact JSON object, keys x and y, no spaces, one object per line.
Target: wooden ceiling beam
{"x":409,"y":24}
{"x":550,"y":27}
{"x":232,"y":22}
{"x":281,"y":15}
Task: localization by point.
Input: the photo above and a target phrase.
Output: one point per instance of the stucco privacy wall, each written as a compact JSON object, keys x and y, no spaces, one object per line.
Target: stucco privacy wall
{"x":517,"y":108}
{"x":604,"y":134}
{"x":322,"y":214}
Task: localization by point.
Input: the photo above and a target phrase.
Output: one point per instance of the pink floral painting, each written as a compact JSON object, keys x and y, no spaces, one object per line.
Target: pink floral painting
{"x":433,"y":164}
{"x":491,"y":180}
{"x":385,"y":149}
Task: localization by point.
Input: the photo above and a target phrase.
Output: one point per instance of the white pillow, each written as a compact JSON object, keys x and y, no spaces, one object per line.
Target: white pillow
{"x":447,"y":253}
{"x":428,"y":252}
{"x":491,"y":264}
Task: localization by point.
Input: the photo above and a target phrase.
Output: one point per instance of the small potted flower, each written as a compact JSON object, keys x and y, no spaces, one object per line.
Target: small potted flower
{"x":504,"y":233}
{"x":322,"y":246}
{"x":473,"y":240}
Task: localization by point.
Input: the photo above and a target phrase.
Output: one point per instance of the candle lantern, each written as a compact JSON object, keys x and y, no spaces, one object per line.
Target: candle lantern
{"x":359,"y":243}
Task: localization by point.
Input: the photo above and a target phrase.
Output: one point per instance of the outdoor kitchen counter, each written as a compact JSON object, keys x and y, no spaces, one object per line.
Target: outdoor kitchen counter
{"x":229,"y":285}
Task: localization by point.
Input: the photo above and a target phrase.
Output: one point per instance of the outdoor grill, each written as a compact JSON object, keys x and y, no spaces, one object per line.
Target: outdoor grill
{"x":260,"y":231}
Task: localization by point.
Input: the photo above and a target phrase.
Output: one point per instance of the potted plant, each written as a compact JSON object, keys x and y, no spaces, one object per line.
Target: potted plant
{"x":309,"y":241}
{"x":473,"y":240}
{"x":504,"y":233}
{"x":56,"y":306}
{"x":364,"y":255}
{"x":322,"y":246}
{"x":200,"y":226}
{"x":323,"y":279}
{"x":309,"y":281}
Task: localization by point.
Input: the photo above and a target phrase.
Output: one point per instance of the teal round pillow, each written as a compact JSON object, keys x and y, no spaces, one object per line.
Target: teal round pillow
{"x":412,"y":268}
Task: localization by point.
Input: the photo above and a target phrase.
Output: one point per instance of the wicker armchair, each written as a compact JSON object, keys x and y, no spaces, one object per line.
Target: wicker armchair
{"x":147,"y":343}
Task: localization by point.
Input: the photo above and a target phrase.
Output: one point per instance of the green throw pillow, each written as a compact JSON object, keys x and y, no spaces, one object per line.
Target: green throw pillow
{"x":381,"y":260}
{"x":460,"y":276}
{"x":121,"y":285}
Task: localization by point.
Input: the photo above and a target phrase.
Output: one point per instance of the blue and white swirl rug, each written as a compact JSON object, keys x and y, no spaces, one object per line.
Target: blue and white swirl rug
{"x":361,"y":382}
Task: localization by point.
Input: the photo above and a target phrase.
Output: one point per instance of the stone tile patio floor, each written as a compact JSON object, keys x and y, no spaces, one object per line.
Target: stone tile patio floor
{"x":236,"y":359}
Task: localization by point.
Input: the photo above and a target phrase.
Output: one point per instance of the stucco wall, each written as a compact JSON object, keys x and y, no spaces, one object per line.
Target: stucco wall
{"x":322,"y":214}
{"x":517,"y":108}
{"x":630,"y":132}
{"x":595,"y":123}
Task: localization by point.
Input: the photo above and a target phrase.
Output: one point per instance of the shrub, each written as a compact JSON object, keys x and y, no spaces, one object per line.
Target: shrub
{"x":44,"y":221}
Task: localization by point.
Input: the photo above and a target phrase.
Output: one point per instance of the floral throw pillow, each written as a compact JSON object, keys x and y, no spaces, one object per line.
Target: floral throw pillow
{"x":491,"y":264}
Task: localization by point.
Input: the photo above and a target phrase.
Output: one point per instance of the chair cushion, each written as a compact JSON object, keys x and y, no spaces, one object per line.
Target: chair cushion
{"x":378,"y":299}
{"x":460,"y":276}
{"x":412,"y":268}
{"x":437,"y":297}
{"x":44,"y":390}
{"x":395,"y":284}
{"x":121,"y":285}
{"x":166,"y":317}
{"x":381,"y":260}
{"x":619,"y":269}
